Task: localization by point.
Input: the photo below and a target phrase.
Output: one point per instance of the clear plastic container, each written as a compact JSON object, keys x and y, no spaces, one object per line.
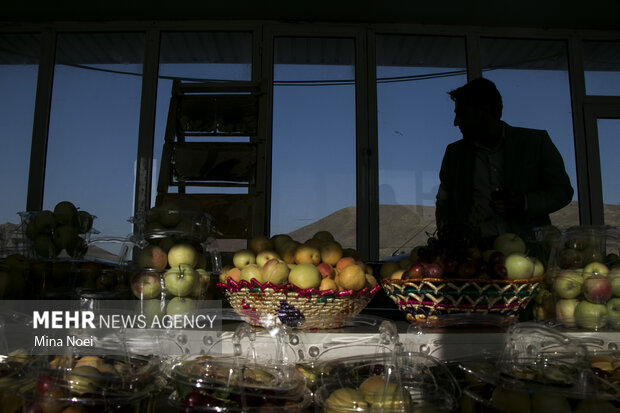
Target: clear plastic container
{"x":99,"y":383}
{"x":583,"y":277}
{"x":382,"y":377}
{"x":539,"y":365}
{"x":244,"y":380}
{"x":46,"y":235}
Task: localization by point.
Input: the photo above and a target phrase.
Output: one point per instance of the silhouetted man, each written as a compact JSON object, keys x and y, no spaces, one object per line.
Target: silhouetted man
{"x":498,"y":178}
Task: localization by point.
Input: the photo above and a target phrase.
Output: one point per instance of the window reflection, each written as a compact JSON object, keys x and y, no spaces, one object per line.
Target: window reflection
{"x":313,"y":167}
{"x":532,"y":76}
{"x":94,"y":126}
{"x":415,"y":124}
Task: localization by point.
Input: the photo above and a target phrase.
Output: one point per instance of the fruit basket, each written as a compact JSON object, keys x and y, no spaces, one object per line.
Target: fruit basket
{"x":309,"y":308}
{"x":421,"y":299}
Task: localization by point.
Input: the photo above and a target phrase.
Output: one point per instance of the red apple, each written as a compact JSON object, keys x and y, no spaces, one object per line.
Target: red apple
{"x":146,"y":285}
{"x":597,"y":289}
{"x":433,"y":271}
{"x":416,"y":270}
{"x":498,"y":271}
{"x":326,"y":270}
{"x":466,"y":269}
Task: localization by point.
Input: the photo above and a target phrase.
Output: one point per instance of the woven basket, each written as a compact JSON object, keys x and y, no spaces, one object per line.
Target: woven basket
{"x":421,"y":299}
{"x":304,"y":309}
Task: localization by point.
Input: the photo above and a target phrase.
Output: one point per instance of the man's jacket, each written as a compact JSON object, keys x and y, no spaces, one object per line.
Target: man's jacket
{"x":532,"y":165}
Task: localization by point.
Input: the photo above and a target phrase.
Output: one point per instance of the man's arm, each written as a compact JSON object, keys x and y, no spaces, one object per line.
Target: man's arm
{"x":554,"y":191}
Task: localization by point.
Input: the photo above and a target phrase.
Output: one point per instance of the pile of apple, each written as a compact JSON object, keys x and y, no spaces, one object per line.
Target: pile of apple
{"x":179,"y":273}
{"x":454,"y":254}
{"x":320,"y":262}
{"x":586,"y":285}
{"x":64,"y":228}
{"x":173,"y":221}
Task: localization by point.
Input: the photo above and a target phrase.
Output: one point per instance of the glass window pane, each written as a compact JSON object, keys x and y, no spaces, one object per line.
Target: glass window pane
{"x":313,"y":167}
{"x":415,"y":124}
{"x":609,"y":147}
{"x":19,"y":59}
{"x":601,"y":61}
{"x":532,"y":77}
{"x":198,"y":57}
{"x":209,"y":56}
{"x":94,"y":122}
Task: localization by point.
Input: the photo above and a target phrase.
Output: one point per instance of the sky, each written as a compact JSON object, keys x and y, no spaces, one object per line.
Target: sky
{"x":94,"y":129}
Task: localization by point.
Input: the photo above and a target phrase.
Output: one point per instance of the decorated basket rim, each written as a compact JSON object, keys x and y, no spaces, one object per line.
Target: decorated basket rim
{"x":231,"y":286}
{"x":455,"y":280}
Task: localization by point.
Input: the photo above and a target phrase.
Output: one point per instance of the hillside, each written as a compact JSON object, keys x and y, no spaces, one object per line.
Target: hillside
{"x":404,"y":226}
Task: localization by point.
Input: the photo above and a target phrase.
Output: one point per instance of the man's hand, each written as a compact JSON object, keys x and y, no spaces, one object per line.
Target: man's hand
{"x":508,"y":203}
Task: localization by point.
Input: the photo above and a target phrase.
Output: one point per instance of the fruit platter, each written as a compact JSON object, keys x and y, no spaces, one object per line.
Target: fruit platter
{"x":315,"y":284}
{"x":453,"y":273}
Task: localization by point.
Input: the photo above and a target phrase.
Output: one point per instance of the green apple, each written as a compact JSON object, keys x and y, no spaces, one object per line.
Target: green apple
{"x":146,"y":285}
{"x":594,"y":268}
{"x":305,"y":276}
{"x":44,"y":246}
{"x":518,"y":266}
{"x":613,"y":313}
{"x":243,"y":258}
{"x":65,"y":213}
{"x":590,"y":315}
{"x":567,"y":284}
{"x":180,"y":280}
{"x":275,"y":271}
{"x":508,"y":243}
{"x":539,"y":268}
{"x":565,"y":311}
{"x":180,"y":305}
{"x":151,"y":308}
{"x":65,"y":237}
{"x":251,"y":271}
{"x":182,"y":254}
{"x":152,"y":256}
{"x":614,"y":277}
{"x":44,"y":222}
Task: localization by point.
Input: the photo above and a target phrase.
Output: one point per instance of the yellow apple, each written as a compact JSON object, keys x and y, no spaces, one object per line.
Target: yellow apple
{"x":305,"y":276}
{"x":305,"y":254}
{"x":275,"y":271}
{"x":261,"y":243}
{"x":328,"y":284}
{"x":264,"y":256}
{"x":251,"y":271}
{"x":243,"y":258}
{"x":331,"y":252}
{"x":352,"y":277}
